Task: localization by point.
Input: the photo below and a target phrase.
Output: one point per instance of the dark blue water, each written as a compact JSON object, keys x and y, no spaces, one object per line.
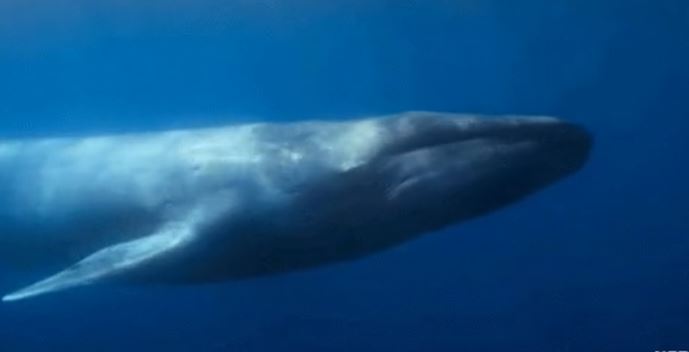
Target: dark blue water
{"x":596,"y":263}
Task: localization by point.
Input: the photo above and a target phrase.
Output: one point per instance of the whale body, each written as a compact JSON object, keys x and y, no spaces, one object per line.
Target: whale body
{"x":256,"y":199}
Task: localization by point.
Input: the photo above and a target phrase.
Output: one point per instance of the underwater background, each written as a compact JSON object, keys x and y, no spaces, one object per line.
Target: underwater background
{"x":598,"y":262}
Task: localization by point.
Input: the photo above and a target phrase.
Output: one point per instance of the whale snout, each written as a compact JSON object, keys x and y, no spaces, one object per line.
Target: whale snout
{"x":562,"y":147}
{"x":576,"y":144}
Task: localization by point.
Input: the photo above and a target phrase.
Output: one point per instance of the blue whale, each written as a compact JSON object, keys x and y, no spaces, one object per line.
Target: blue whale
{"x":257,"y":199}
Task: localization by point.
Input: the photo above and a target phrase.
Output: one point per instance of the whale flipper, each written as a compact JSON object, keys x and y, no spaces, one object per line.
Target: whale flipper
{"x":111,"y":261}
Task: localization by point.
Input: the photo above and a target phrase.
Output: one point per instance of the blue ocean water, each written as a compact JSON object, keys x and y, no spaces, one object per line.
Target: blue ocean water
{"x":594,"y":263}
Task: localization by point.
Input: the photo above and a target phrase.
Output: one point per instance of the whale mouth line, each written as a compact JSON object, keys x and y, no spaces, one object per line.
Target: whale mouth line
{"x":553,"y":135}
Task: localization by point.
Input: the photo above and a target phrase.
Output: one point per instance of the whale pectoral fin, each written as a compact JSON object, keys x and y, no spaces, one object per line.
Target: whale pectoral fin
{"x":110,"y":261}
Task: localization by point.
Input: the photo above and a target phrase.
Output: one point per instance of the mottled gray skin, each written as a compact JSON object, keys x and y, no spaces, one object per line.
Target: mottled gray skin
{"x":264,"y":198}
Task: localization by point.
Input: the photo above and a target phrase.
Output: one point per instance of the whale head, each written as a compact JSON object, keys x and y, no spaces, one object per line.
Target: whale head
{"x":425,"y":172}
{"x":447,"y":168}
{"x":431,"y":170}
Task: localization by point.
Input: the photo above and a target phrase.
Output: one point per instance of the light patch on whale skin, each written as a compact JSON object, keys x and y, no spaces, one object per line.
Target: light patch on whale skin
{"x":358,"y":142}
{"x":150,"y":170}
{"x":235,"y":146}
{"x":349,"y":144}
